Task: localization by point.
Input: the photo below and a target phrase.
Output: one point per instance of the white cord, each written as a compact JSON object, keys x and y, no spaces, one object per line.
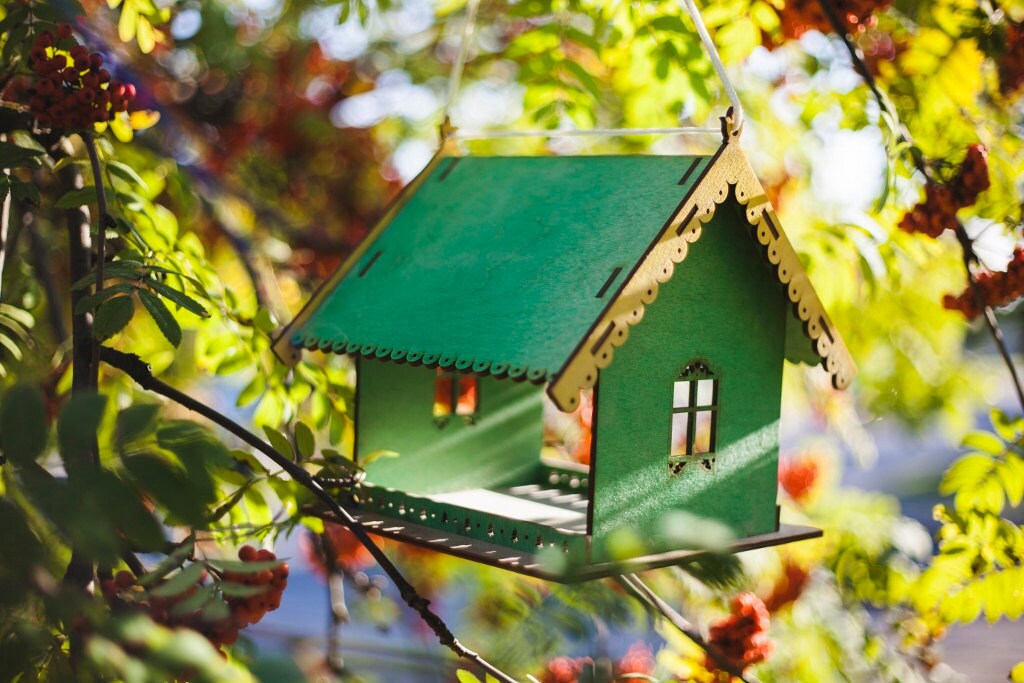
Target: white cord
{"x":460,"y":61}
{"x":716,"y":61}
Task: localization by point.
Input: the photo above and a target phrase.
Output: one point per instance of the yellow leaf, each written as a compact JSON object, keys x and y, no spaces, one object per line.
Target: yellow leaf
{"x":112,"y":4}
{"x":120,"y":127}
{"x":128,"y":21}
{"x":143,"y":119}
{"x":961,"y":75}
{"x":145,"y":35}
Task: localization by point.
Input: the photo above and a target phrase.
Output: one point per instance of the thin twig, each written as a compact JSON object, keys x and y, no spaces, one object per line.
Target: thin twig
{"x":337,"y":613}
{"x":5,"y":222}
{"x":135,"y":368}
{"x":970,"y":257}
{"x":101,"y":238}
{"x":642,"y":592}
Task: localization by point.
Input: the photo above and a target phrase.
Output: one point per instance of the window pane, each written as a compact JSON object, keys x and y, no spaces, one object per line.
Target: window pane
{"x":467,"y":401}
{"x":706,"y":392}
{"x":681,"y":395}
{"x":703,"y":438}
{"x":680,"y":422}
{"x":442,"y":395}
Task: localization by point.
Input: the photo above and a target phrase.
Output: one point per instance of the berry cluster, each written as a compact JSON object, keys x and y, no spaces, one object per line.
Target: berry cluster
{"x":993,"y":288}
{"x":742,"y":637}
{"x":1011,"y":63}
{"x":638,"y":660}
{"x":788,"y":588}
{"x":565,"y":669}
{"x":72,"y":89}
{"x":938,"y":210}
{"x":800,"y":16}
{"x":124,"y":591}
{"x":246,"y":611}
{"x":797,"y":476}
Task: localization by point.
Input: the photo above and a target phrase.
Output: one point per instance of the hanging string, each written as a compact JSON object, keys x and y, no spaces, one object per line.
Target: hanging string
{"x":460,"y":60}
{"x":454,"y":81}
{"x":716,"y":61}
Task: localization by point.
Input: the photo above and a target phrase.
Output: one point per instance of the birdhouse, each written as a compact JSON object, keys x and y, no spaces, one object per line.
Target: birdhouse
{"x":662,"y":288}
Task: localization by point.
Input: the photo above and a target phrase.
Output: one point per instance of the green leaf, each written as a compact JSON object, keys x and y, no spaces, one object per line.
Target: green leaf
{"x":194,"y":601}
{"x":180,"y":582}
{"x":134,"y":421}
{"x":26,"y":192}
{"x":126,"y":173}
{"x":87,"y":303}
{"x":169,"y":563}
{"x":23,"y":426}
{"x":985,"y":442}
{"x":240,"y":590}
{"x":85,"y":196}
{"x":305,"y":442}
{"x":16,"y":156}
{"x":264,"y":321}
{"x":376,"y":455}
{"x":112,"y":317}
{"x":162,"y":316}
{"x":252,"y":391}
{"x":240,"y":567}
{"x":180,"y":298}
{"x":280,"y":442}
{"x":466,"y":677}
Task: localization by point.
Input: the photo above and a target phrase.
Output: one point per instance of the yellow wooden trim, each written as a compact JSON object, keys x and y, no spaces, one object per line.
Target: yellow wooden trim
{"x":282,"y":346}
{"x":730,"y":168}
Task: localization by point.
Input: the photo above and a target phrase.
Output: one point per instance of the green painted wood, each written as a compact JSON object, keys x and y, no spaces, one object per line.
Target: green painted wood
{"x":499,"y":261}
{"x":723,"y":305}
{"x":395,"y":412}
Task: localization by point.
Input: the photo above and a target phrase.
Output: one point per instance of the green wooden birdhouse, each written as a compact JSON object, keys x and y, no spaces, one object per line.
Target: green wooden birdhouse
{"x":663,"y":284}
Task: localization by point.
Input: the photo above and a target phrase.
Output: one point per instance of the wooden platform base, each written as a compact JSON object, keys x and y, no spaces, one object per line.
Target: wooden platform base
{"x":530,"y":565}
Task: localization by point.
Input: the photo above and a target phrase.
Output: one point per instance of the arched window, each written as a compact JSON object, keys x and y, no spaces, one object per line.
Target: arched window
{"x":694,"y":417}
{"x":455,"y":394}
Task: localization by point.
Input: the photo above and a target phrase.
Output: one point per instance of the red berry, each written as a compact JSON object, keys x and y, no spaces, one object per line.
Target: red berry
{"x":64,"y":31}
{"x":124,"y":579}
{"x":247,"y":553}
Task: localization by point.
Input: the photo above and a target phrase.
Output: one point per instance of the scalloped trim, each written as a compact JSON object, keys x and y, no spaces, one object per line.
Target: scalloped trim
{"x":731,"y":168}
{"x":498,"y":369}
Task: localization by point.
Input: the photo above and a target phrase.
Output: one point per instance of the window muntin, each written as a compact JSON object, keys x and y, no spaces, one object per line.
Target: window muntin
{"x":455,"y":394}
{"x":694,"y":417}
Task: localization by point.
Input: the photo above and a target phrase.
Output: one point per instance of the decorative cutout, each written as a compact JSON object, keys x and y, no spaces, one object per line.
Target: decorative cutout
{"x":728,"y":169}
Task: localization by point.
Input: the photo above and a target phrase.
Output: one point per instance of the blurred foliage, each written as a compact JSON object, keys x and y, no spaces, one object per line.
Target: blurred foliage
{"x":266,"y":139}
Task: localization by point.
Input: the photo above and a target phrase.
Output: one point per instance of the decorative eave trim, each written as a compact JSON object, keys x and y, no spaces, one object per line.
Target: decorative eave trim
{"x":283,"y":346}
{"x":446,"y":361}
{"x":729,"y":168}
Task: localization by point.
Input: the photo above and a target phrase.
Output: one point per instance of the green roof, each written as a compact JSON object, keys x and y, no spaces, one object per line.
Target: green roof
{"x":501,"y":264}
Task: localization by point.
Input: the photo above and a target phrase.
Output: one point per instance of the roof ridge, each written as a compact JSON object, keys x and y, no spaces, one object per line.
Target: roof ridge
{"x":728,"y":169}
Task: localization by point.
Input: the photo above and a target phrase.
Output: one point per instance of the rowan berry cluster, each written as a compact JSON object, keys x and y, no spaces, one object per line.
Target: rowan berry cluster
{"x":788,"y":588}
{"x":72,"y":89}
{"x":941,"y":201}
{"x":800,"y":16}
{"x":993,"y":288}
{"x":1011,"y":63}
{"x":742,"y":637}
{"x":167,"y":610}
{"x":797,"y":476}
{"x":638,"y":660}
{"x":565,"y":669}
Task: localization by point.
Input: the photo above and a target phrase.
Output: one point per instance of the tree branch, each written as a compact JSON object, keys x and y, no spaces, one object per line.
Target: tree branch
{"x":135,"y":368}
{"x":5,"y":223}
{"x":966,"y":243}
{"x":338,"y":610}
{"x":642,"y":592}
{"x":101,"y":239}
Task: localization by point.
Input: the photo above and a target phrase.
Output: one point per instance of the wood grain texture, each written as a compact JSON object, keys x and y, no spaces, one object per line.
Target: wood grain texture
{"x":726,"y":309}
{"x":495,"y":264}
{"x":729,"y":175}
{"x":395,"y":408}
